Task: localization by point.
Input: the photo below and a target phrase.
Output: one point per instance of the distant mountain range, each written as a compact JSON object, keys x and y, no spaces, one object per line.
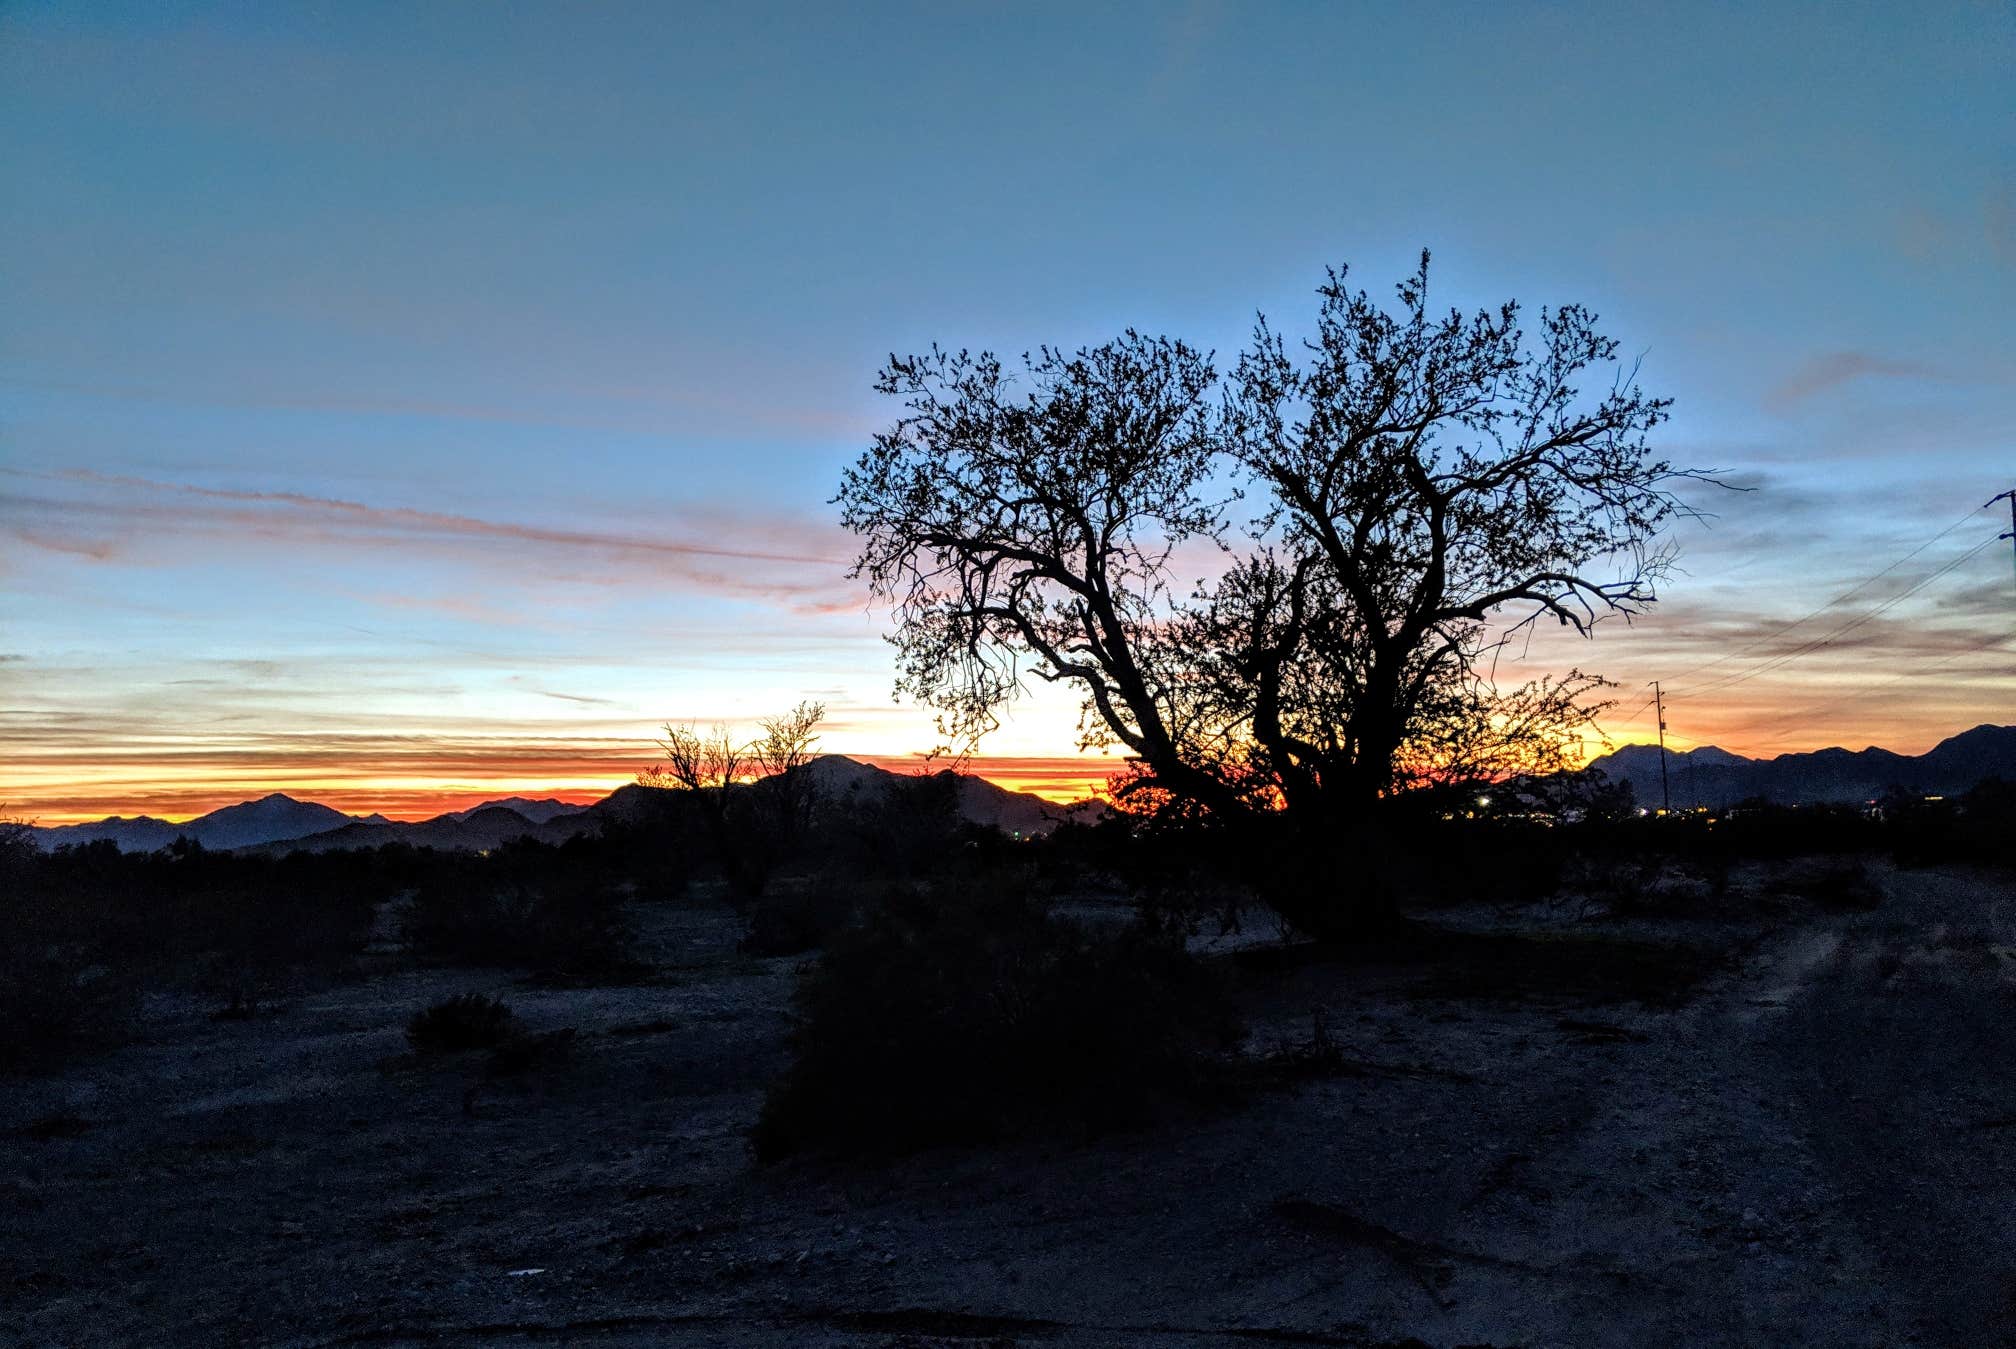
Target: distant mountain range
{"x":539,"y":812}
{"x":241,"y":826}
{"x":279,"y":823}
{"x":1705,"y":776}
{"x":1714,"y":777}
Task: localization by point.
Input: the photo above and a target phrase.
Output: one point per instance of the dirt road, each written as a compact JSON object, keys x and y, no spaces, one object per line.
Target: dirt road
{"x":1900,"y":1048}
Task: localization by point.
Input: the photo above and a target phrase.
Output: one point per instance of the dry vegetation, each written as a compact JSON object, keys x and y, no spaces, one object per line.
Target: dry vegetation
{"x":1619,"y":1083}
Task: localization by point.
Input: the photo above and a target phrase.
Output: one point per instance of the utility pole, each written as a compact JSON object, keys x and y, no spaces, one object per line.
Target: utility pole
{"x":2010,"y":495}
{"x":1665,"y":791}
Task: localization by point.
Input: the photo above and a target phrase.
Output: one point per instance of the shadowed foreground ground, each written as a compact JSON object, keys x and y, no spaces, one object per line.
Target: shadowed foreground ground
{"x":1806,"y":1135}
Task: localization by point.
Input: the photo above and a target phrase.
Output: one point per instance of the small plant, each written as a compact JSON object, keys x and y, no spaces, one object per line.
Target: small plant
{"x":469,"y":1021}
{"x":1318,"y":1056}
{"x":1849,"y":889}
{"x":242,"y":1007}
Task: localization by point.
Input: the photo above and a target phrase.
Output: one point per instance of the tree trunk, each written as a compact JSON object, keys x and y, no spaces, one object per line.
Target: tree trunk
{"x":1333,"y":875}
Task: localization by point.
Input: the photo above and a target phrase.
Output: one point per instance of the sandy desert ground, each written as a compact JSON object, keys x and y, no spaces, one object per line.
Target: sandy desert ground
{"x":1794,"y":1128}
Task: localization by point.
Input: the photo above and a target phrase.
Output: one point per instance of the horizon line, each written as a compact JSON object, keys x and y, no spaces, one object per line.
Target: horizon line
{"x":1060,"y":780}
{"x":1048,"y":778}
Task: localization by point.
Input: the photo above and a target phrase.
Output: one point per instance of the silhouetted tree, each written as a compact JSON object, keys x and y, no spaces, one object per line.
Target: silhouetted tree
{"x":752,"y":825}
{"x":1383,"y":508}
{"x":787,"y":744}
{"x":706,"y":762}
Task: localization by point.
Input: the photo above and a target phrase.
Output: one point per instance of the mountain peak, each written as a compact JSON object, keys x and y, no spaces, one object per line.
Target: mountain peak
{"x":1984,"y":734}
{"x":1711,"y":776}
{"x":541,"y":811}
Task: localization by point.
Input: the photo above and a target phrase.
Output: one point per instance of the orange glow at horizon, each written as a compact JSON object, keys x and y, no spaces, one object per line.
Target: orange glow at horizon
{"x":418,"y":777}
{"x":417,"y":796}
{"x":179,"y":791}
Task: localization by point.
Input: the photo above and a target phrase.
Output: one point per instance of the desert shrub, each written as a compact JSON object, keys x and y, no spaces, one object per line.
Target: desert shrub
{"x":254,"y":927}
{"x":941,"y":1019}
{"x":910,"y":829}
{"x":58,"y":1002}
{"x":1978,"y":827}
{"x":238,"y":927}
{"x":784,"y":922}
{"x":64,"y":991}
{"x":1457,"y":861}
{"x":1988,"y":823}
{"x":1760,"y":829}
{"x":488,"y":913}
{"x":1839,"y":885}
{"x":18,"y":856}
{"x":650,"y":858}
{"x":459,"y":920}
{"x":468,"y":1021}
{"x":1683,"y":885}
{"x":1292,"y":1059}
{"x":1180,"y":875}
{"x":1604,"y":882}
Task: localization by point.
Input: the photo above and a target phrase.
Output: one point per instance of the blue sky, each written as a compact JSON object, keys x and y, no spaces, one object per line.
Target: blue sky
{"x":407,"y":399}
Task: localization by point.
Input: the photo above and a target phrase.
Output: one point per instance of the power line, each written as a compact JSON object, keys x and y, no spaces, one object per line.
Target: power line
{"x":1770,"y":663}
{"x":1636,"y":713}
{"x":1814,"y":644}
{"x":2011,"y":535}
{"x":1811,"y":710}
{"x":1774,"y":662}
{"x":1844,"y":596}
{"x":1639,"y":710}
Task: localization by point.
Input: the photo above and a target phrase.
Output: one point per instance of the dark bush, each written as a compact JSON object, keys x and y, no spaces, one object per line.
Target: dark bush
{"x":469,"y":1021}
{"x":63,"y":989}
{"x":939,"y":1020}
{"x":496,"y":911}
{"x":459,"y":920}
{"x":58,"y":1002}
{"x":1459,"y":861}
{"x":784,"y":922}
{"x":239,"y":927}
{"x":650,"y":858}
{"x":1988,"y":823}
{"x":912,"y":828}
{"x":1977,"y":827}
{"x":1839,"y":885}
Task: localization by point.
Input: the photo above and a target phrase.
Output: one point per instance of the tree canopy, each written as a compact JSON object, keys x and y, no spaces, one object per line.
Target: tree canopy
{"x":1374,"y":511}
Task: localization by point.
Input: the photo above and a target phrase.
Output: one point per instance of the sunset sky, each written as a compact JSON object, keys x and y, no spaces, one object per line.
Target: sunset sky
{"x":407,"y":404}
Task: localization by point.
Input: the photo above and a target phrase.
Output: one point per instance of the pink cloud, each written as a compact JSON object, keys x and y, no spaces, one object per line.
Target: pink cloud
{"x":742,"y":556}
{"x":1835,"y":369}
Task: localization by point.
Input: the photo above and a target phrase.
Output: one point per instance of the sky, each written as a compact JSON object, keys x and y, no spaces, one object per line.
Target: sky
{"x":407,"y":404}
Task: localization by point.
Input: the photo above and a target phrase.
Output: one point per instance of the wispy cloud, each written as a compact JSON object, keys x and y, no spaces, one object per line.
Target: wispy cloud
{"x":794,"y":564}
{"x":1999,"y":219}
{"x":402,"y":520}
{"x":625,"y":409}
{"x":1835,"y":369}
